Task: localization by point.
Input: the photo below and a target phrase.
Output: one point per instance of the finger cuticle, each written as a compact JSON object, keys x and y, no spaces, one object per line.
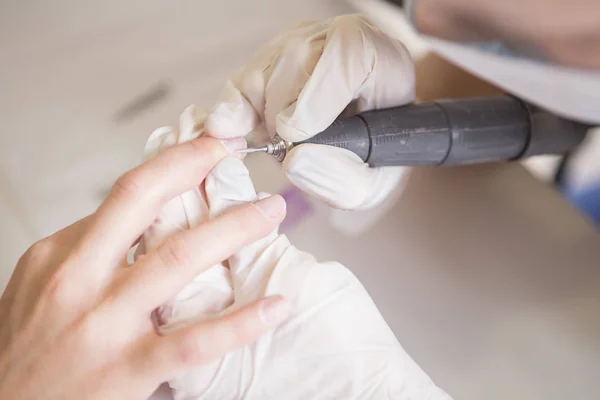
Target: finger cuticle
{"x":232,"y":145}
{"x":271,"y":207}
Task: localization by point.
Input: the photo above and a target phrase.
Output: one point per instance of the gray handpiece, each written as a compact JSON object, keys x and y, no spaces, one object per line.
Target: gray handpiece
{"x":453,"y":132}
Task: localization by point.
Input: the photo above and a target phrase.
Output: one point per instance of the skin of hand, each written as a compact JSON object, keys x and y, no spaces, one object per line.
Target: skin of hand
{"x":565,"y":31}
{"x":76,"y":319}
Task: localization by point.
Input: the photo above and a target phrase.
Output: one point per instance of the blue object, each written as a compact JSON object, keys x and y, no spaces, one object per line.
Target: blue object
{"x":587,"y":201}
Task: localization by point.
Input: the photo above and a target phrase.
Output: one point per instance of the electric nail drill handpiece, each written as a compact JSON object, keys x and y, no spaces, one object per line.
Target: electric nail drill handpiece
{"x":446,"y":132}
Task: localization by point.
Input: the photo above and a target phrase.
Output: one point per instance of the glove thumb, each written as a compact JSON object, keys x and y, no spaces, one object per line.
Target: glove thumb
{"x":339,"y":177}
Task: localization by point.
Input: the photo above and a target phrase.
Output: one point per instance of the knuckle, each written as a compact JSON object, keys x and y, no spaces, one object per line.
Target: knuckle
{"x":241,"y":333}
{"x":56,"y":285}
{"x":295,"y":45}
{"x":248,"y":227}
{"x":207,"y":149}
{"x":129,"y":185}
{"x":352,"y":21}
{"x":238,"y":330}
{"x":175,"y":251}
{"x":202,"y":155}
{"x":242,"y":226}
{"x":58,"y":290}
{"x":86,"y":330}
{"x":187,"y":351}
{"x":88,"y":334}
{"x":39,"y":251}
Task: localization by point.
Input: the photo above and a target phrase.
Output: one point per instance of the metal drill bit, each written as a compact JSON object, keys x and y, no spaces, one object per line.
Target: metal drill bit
{"x":277,"y":148}
{"x":263,"y":149}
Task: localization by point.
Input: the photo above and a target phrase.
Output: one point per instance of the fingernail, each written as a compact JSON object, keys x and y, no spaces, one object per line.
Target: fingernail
{"x":274,"y":309}
{"x":235,"y":144}
{"x":271,"y":207}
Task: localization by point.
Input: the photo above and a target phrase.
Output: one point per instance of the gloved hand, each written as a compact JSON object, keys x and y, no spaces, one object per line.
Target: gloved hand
{"x":300,"y":82}
{"x":336,"y":345}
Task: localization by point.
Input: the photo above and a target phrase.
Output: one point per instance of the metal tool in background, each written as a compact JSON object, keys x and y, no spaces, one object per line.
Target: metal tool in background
{"x":446,"y":132}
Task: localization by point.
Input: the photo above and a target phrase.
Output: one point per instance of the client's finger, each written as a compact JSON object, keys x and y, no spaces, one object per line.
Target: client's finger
{"x":165,"y":271}
{"x":207,"y":341}
{"x":138,"y":196}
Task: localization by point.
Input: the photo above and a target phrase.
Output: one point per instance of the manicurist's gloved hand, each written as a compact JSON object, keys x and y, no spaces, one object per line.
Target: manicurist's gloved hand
{"x":334,"y":344}
{"x":300,"y":82}
{"x":76,"y":319}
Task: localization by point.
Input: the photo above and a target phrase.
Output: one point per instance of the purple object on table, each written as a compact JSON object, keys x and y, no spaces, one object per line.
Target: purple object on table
{"x":298,"y":208}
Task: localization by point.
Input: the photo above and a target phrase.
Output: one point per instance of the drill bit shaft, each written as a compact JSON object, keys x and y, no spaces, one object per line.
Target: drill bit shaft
{"x":277,"y":148}
{"x":263,"y":149}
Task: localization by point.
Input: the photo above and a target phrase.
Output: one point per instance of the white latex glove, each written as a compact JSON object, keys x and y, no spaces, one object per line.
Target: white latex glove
{"x":211,"y":291}
{"x":336,"y":345}
{"x":300,"y":82}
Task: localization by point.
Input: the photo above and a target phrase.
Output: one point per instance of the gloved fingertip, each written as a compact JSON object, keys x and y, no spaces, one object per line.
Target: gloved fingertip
{"x":225,"y":125}
{"x":336,"y":176}
{"x":384,"y":181}
{"x":160,"y":138}
{"x":191,"y":121}
{"x":228,"y":184}
{"x":232,"y":116}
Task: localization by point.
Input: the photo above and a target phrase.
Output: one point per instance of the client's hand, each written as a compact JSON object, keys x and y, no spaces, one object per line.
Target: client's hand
{"x":75,"y":318}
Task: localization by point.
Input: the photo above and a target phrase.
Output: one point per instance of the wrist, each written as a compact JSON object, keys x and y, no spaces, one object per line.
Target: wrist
{"x":457,"y":20}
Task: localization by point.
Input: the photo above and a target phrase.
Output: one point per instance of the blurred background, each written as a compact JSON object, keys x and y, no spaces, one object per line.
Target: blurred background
{"x":83,"y":84}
